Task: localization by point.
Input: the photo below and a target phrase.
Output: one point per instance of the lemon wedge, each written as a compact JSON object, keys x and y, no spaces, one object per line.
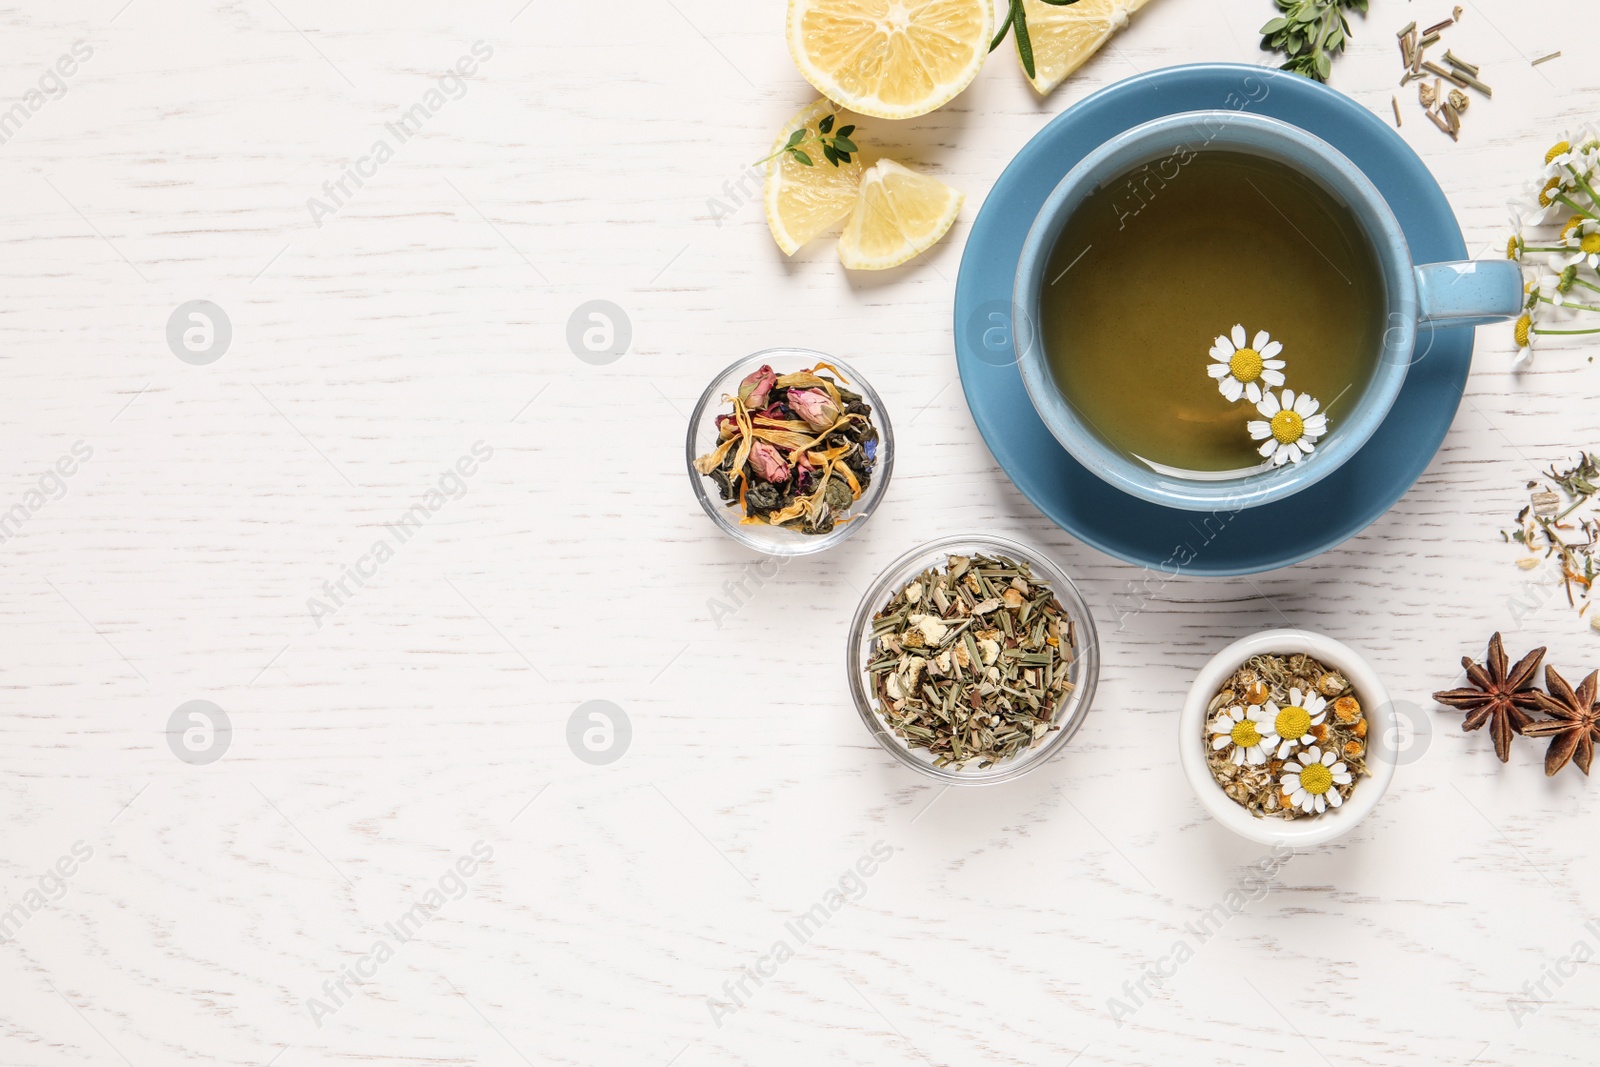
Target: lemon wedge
{"x":893,"y":59}
{"x":803,"y":202}
{"x":898,"y":214}
{"x":1065,"y":37}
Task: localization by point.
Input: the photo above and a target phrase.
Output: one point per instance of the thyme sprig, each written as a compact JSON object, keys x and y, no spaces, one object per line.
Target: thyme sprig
{"x":1310,"y":33}
{"x":1017,"y":18}
{"x":837,"y":148}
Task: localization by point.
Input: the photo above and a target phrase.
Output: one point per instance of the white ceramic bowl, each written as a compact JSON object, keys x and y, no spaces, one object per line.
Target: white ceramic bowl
{"x":1381,"y":740}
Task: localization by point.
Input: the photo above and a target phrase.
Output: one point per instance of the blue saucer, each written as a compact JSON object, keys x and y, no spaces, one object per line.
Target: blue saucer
{"x":1274,"y":535}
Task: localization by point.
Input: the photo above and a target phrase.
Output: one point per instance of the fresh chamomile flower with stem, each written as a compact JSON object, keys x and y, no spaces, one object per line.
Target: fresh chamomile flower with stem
{"x":1526,"y":331}
{"x":1240,"y":368}
{"x":1581,"y":243}
{"x":1291,"y":428}
{"x":1310,"y":781}
{"x":1234,"y":728}
{"x":1287,"y":727}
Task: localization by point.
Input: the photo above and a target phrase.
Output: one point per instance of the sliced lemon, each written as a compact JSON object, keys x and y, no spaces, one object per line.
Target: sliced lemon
{"x":894,"y":59}
{"x":803,"y":202}
{"x":899,"y":214}
{"x":1065,"y":37}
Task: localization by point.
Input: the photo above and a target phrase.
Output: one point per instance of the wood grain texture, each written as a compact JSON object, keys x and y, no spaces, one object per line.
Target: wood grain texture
{"x":583,"y":161}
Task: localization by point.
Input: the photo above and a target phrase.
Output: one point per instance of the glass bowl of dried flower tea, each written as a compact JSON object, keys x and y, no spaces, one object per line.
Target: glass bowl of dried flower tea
{"x":789,"y":451}
{"x":973,"y":659}
{"x":1288,"y":737}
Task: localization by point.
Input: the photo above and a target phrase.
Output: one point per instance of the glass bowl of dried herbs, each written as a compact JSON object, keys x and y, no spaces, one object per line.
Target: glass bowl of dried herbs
{"x":1288,"y":738}
{"x":973,"y":659}
{"x":789,"y":451}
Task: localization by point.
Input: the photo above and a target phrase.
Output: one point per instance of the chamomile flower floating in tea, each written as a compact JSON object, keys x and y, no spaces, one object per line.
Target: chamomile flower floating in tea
{"x":1288,"y":727}
{"x":1241,"y":370}
{"x":1240,"y":734}
{"x":1310,"y":783}
{"x":1291,"y":428}
{"x":796,"y":451}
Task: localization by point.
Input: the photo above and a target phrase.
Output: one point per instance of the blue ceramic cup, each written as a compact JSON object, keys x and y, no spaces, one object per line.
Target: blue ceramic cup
{"x":1417,"y":298}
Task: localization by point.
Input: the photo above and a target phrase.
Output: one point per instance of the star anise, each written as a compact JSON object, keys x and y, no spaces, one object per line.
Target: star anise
{"x":1574,"y":724}
{"x":1498,"y":696}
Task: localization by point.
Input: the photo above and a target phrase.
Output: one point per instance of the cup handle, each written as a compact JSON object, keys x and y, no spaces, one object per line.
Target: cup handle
{"x":1472,"y":292}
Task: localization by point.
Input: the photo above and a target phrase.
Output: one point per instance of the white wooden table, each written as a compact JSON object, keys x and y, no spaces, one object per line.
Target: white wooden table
{"x":277,"y":904}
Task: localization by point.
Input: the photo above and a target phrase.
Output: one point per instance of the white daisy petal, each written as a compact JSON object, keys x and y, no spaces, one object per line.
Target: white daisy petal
{"x":1270,"y":352}
{"x":1218,"y":370}
{"x":1334,"y":798}
{"x":1295,"y":766}
{"x":1256,"y":757}
{"x":1287,"y":399}
{"x":1238,"y":757}
{"x":1273,"y":378}
{"x":1306,"y":406}
{"x":1232,"y":389}
{"x":1259,"y":431}
{"x":1220,"y":742}
{"x":1317,"y":425}
{"x":1226,"y":346}
{"x":1260,"y":340}
{"x":1239,"y":337}
{"x":1291,"y":782}
{"x":1268,"y":449}
{"x":1321,"y":803}
{"x":1287,"y":454}
{"x":1304,"y":445}
{"x":1220,"y":354}
{"x":1253,"y":391}
{"x":1343,"y":779}
{"x":1269,"y":405}
{"x":1296,"y":698}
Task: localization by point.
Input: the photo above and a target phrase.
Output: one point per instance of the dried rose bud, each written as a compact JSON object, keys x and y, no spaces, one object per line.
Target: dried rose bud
{"x":756,"y":387}
{"x":768,"y":462}
{"x":727,"y":426}
{"x":814,"y":406}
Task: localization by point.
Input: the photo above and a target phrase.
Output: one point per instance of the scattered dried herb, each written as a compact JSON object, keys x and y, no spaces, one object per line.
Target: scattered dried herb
{"x":1574,"y":723}
{"x":796,"y":451}
{"x":1562,"y":524}
{"x":1443,"y":109}
{"x":1310,"y":33}
{"x":972,"y":662}
{"x":1286,"y":737}
{"x":1499,"y":695}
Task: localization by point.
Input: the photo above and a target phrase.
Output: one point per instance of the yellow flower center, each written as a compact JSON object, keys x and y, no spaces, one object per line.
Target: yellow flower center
{"x":1560,"y":148}
{"x":1514,"y":248}
{"x":1545,"y":199}
{"x":1572,"y":224}
{"x":1288,"y":427}
{"x":1245,"y":735}
{"x":1246,"y":365}
{"x":1293,"y":723}
{"x":1524,"y":324}
{"x":1590,"y":243}
{"x":1316,"y":779}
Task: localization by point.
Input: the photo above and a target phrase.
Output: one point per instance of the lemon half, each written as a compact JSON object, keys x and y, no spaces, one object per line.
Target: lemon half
{"x":894,"y":59}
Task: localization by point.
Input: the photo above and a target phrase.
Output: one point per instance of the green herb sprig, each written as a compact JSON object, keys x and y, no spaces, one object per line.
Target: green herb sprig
{"x":1017,"y":18}
{"x":837,"y":148}
{"x":1310,"y":33}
